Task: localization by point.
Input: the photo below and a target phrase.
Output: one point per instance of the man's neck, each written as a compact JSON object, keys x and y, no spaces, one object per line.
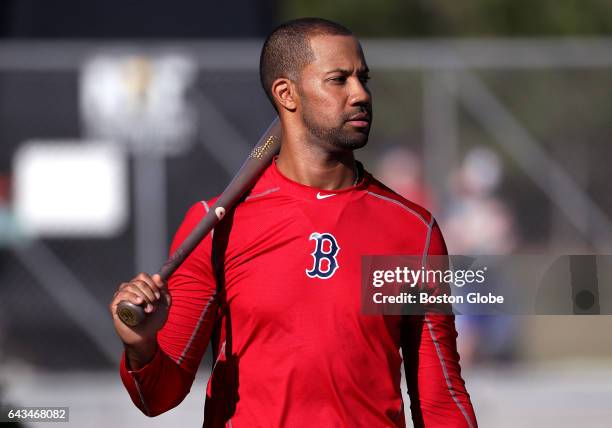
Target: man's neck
{"x":314,"y":166}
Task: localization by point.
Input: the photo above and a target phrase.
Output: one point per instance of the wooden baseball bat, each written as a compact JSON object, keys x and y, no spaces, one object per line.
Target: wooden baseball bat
{"x":259,"y":159}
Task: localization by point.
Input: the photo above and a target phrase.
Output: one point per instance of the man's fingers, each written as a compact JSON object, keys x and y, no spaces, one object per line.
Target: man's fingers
{"x":130,"y":296}
{"x":144,"y":290}
{"x":155,"y":282}
{"x":131,"y":290}
{"x":159,"y":282}
{"x":144,"y":277}
{"x":145,"y":295}
{"x":149,"y":292}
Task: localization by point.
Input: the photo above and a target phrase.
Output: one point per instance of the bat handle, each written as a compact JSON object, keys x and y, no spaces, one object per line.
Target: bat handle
{"x":129,"y":313}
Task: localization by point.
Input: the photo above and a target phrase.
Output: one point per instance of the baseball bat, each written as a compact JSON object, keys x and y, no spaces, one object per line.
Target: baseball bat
{"x":260,"y":157}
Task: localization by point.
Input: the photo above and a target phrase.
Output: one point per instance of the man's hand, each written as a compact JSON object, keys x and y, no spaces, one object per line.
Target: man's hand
{"x":141,"y":340}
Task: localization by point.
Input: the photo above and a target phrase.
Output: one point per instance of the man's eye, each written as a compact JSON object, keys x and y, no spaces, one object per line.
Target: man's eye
{"x":364,"y":79}
{"x":338,"y":79}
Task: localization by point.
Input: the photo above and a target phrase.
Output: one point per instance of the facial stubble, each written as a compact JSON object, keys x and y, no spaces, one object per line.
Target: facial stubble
{"x":337,"y":136}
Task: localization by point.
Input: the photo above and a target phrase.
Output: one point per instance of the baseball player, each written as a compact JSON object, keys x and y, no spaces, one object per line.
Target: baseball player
{"x":292,"y":347}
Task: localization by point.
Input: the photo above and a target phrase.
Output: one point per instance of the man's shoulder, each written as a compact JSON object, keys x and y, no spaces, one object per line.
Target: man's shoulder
{"x":198,"y":209}
{"x":389,"y":199}
{"x":262,"y":190}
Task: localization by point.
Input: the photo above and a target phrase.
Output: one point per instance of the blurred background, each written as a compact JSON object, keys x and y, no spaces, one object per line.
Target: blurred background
{"x":116,"y":116}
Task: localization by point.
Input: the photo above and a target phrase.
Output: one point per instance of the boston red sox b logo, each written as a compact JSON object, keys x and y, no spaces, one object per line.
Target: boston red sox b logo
{"x":324,"y":255}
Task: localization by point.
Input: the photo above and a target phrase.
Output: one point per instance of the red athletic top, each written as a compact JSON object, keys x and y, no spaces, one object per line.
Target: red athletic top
{"x":293,"y":348}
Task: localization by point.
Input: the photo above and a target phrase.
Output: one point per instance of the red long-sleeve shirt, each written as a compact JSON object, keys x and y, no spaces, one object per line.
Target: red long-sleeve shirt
{"x":293,"y":346}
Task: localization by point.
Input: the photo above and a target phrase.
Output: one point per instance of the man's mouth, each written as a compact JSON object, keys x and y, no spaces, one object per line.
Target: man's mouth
{"x":361,"y":120}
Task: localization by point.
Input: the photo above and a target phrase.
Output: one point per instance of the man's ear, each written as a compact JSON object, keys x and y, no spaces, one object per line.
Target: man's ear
{"x":284,"y":93}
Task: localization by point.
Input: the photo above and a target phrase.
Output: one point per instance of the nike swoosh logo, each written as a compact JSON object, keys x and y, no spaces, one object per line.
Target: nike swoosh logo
{"x":320,"y":196}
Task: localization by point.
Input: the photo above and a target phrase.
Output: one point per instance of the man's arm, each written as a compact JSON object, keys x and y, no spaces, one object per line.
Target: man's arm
{"x":158,"y":373}
{"x":438,"y":397}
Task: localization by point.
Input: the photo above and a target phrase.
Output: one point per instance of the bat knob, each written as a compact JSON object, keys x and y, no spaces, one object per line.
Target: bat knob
{"x":130,"y":314}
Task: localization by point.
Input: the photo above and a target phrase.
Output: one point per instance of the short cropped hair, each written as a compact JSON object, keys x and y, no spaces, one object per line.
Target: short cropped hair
{"x":287,"y":50}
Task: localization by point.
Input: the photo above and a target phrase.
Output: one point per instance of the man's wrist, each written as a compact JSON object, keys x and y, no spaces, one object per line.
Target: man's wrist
{"x":138,"y":356}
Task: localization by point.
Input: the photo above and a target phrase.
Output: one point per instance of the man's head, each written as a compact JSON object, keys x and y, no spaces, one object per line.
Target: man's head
{"x":315,"y":69}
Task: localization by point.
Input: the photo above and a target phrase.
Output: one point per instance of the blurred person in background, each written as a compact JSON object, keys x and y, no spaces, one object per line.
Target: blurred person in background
{"x":478,"y":222}
{"x":402,"y":170}
{"x":293,"y":347}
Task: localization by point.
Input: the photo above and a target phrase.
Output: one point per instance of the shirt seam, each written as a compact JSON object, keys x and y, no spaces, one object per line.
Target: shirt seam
{"x":200,"y":320}
{"x":449,"y":386}
{"x":140,"y":395}
{"x":398,"y":203}
{"x":264,"y":193}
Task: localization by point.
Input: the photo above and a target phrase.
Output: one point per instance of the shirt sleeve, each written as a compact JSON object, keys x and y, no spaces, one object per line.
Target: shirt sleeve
{"x":164,"y":382}
{"x":438,"y":396}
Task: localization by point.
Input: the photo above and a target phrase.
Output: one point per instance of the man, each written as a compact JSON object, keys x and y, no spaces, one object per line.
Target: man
{"x":293,"y":348}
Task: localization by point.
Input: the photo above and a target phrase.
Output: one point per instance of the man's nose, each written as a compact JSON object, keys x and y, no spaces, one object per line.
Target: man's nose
{"x":360,"y":94}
